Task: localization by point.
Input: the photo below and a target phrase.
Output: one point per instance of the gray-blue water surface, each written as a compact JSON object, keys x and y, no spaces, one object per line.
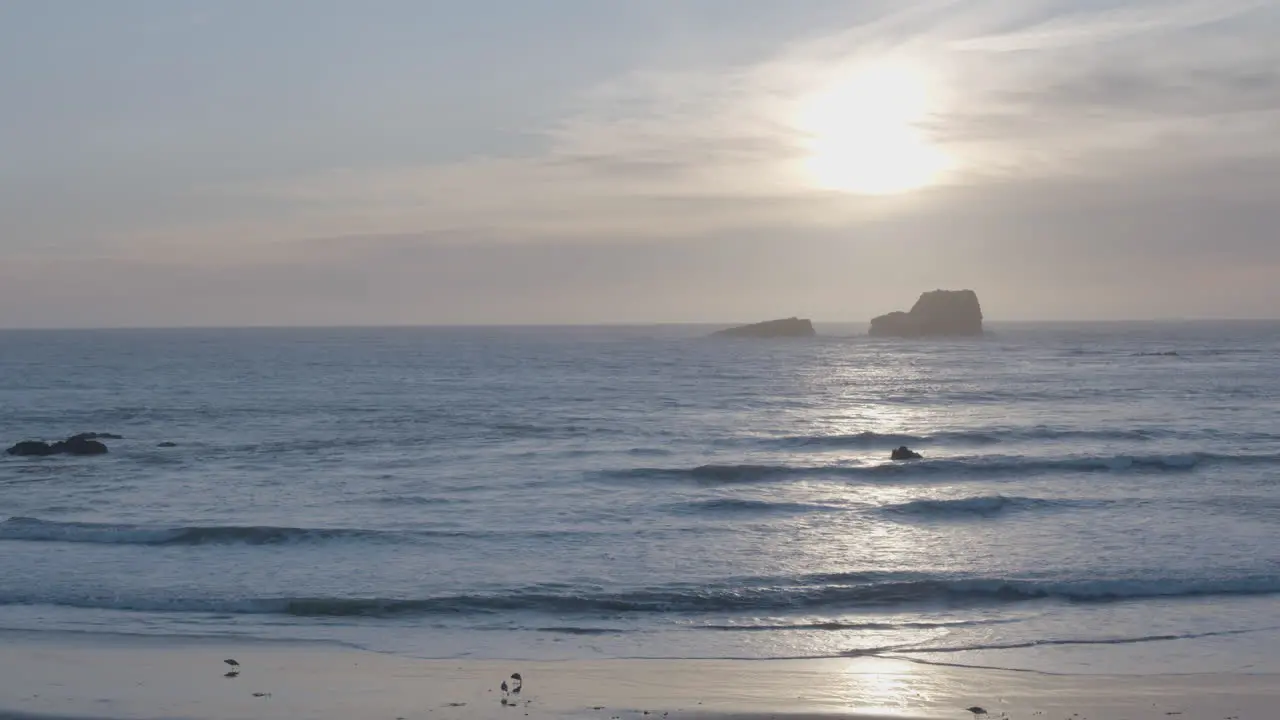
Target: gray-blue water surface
{"x":1092,"y":497}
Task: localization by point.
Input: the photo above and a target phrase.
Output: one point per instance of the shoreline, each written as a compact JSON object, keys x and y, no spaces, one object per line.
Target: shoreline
{"x":128,"y":677}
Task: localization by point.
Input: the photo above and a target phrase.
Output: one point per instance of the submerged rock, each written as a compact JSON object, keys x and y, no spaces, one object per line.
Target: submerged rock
{"x":82,"y":444}
{"x":79,"y":445}
{"x":905,"y":453}
{"x":936,"y":313}
{"x":31,"y":448}
{"x":787,"y":327}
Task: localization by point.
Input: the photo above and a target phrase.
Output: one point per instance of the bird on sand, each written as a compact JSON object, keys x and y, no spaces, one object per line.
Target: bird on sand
{"x":517,"y":683}
{"x":235,"y":668}
{"x":977,"y":710}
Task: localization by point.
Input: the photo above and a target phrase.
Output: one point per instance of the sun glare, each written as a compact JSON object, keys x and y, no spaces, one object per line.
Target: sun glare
{"x":862,"y":132}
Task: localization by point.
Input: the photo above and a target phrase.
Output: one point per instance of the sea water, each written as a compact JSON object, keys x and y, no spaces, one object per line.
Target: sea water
{"x":1092,"y":498}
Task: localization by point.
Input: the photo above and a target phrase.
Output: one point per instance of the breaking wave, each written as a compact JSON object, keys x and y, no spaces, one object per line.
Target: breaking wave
{"x":983,"y":505}
{"x":733,"y":506}
{"x":829,"y":592}
{"x":1043,"y":642}
{"x":978,"y":467}
{"x":34,"y":529}
{"x":993,"y":436}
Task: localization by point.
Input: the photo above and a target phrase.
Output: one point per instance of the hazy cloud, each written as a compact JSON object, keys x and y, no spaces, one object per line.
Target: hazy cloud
{"x":1112,"y":24}
{"x":1097,"y":147}
{"x":638,"y":154}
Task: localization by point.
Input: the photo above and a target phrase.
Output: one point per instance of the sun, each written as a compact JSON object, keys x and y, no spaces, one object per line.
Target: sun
{"x":862,"y":132}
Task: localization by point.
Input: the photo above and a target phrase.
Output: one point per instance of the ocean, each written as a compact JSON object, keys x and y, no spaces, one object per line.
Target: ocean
{"x":1093,"y":498}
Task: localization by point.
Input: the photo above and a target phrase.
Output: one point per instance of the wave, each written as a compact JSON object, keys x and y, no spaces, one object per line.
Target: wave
{"x":834,"y":626}
{"x":34,"y":529}
{"x":875,"y":440}
{"x":410,"y":500}
{"x":1133,"y":640}
{"x":571,"y":630}
{"x":530,"y":430}
{"x":979,"y":438}
{"x":729,"y":506}
{"x":996,"y":436}
{"x":981,"y":505}
{"x":711,"y":473}
{"x":966,"y":466}
{"x":657,"y":452}
{"x":845,"y":592}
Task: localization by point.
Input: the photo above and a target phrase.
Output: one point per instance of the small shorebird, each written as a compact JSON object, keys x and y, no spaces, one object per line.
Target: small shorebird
{"x":235,"y":667}
{"x":977,"y":710}
{"x":517,"y":683}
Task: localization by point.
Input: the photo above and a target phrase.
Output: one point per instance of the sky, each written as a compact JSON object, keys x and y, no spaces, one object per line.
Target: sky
{"x":316,"y":162}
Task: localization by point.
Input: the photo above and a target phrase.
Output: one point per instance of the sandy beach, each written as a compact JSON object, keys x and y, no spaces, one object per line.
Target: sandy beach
{"x":131,"y":677}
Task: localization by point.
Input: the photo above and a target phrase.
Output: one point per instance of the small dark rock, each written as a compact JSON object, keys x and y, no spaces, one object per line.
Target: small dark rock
{"x":905,"y":453}
{"x":82,"y":444}
{"x":168,"y":445}
{"x":77,"y":445}
{"x":31,"y":448}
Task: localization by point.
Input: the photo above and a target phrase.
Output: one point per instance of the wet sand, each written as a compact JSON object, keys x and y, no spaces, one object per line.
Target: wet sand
{"x":96,"y":676}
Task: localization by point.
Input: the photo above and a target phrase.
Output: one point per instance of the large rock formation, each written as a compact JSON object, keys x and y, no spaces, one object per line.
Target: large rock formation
{"x":787,"y":327}
{"x":937,"y":313}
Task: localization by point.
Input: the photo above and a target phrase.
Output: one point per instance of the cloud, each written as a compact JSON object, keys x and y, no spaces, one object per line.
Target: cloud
{"x":1115,"y":155}
{"x":1123,"y":95}
{"x":1111,"y":25}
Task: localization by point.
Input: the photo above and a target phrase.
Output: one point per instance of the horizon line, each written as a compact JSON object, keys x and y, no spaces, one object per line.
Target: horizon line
{"x":584,"y":325}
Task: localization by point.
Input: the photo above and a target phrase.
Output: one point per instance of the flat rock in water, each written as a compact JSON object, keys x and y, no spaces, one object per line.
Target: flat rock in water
{"x":786,"y":327}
